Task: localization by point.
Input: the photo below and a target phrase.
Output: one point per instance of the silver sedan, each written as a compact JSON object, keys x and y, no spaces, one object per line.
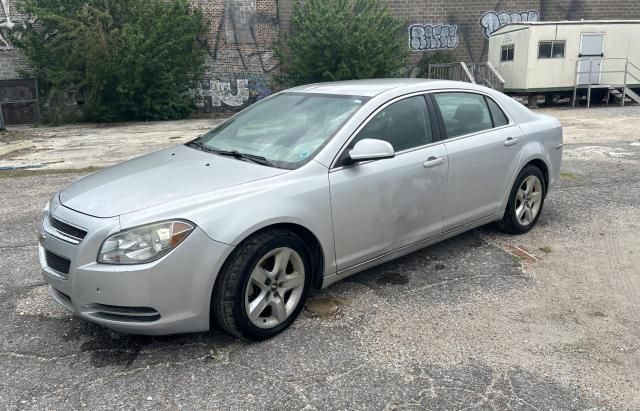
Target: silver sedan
{"x":300,"y":190}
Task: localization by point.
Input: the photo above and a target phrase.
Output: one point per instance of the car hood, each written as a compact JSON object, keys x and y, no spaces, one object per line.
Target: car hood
{"x":171,"y":174}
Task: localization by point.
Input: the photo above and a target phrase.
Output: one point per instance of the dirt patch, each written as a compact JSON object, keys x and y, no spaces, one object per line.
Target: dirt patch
{"x":324,"y":307}
{"x":47,"y":171}
{"x":521,"y":254}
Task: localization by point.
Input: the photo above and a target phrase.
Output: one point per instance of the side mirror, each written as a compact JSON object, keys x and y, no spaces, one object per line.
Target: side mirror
{"x":370,"y":149}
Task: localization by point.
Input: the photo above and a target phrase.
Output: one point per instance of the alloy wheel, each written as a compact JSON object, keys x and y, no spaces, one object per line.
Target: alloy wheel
{"x":275,"y":288}
{"x":528,"y":200}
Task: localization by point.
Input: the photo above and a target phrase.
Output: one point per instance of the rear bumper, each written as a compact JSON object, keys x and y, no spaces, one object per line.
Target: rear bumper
{"x":168,"y":296}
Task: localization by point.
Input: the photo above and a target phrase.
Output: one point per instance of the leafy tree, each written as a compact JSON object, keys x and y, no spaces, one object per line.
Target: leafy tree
{"x":126,"y":59}
{"x":341,"y":40}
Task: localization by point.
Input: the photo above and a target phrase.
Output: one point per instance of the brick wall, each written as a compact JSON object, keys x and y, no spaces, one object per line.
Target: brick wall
{"x":11,"y":61}
{"x":453,"y":26}
{"x":241,"y":60}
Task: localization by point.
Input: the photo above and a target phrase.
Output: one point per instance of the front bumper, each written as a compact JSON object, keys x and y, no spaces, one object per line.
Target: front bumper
{"x":167,"y":296}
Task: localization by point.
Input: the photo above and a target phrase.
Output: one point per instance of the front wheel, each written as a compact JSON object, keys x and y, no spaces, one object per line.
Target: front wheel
{"x":262,"y":288}
{"x":525,"y":202}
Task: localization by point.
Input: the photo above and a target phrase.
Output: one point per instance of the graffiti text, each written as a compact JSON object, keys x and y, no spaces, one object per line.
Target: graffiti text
{"x":493,"y":20}
{"x":433,"y":37}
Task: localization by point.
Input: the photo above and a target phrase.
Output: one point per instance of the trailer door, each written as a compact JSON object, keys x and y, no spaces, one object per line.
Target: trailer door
{"x":591,"y":54}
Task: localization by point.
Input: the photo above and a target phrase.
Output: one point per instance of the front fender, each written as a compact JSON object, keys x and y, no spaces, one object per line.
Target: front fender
{"x":229,"y":216}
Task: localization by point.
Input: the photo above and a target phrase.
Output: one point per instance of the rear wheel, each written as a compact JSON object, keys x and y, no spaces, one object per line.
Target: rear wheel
{"x":262,"y":288}
{"x":525,"y":202}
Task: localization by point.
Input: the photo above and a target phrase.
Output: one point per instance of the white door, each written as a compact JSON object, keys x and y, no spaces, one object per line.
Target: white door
{"x":591,"y":54}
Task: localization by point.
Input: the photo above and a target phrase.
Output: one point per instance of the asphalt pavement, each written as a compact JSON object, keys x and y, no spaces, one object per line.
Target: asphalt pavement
{"x":548,"y":320}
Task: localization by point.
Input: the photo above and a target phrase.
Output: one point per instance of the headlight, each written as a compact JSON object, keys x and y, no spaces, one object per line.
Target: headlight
{"x":145,"y":243}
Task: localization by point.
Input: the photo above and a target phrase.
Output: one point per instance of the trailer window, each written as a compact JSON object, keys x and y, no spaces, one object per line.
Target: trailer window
{"x":506,"y":53}
{"x":551,"y":49}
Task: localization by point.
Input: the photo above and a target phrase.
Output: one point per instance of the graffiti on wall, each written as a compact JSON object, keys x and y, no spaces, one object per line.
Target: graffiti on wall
{"x":7,"y":23}
{"x":6,"y":10}
{"x":235,"y":94}
{"x":240,"y":20}
{"x":241,"y":57}
{"x":433,"y":37}
{"x":493,"y":20}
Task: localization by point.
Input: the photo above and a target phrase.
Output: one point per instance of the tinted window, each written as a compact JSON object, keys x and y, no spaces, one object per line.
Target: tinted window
{"x":499,"y":118}
{"x":463,"y":113}
{"x":405,"y":124}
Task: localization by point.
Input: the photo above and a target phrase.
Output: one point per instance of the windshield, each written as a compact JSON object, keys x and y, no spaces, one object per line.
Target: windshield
{"x":287,"y":129}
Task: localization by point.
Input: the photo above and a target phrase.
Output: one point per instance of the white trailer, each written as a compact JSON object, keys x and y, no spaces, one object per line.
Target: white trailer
{"x":595,"y":59}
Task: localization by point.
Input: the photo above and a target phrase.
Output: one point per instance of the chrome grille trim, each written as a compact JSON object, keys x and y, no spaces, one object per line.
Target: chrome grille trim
{"x":67,"y":229}
{"x":64,"y":236}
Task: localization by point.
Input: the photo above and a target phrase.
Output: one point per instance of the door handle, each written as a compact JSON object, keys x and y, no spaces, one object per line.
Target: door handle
{"x":510,"y":141}
{"x":433,"y":161}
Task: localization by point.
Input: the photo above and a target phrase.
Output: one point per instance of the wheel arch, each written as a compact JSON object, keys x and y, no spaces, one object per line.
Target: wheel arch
{"x":314,"y":247}
{"x":543,"y":167}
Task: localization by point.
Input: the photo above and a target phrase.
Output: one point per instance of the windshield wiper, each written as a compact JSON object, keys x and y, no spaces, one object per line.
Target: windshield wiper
{"x":244,"y":156}
{"x":233,"y":153}
{"x":199,"y":146}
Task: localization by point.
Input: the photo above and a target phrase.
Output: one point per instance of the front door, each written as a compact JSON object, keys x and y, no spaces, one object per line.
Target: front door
{"x":484,"y":150}
{"x":591,"y":54}
{"x":382,"y":205}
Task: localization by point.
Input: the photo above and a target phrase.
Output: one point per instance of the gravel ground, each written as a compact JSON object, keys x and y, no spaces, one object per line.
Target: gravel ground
{"x":547,"y":320}
{"x":80,"y":146}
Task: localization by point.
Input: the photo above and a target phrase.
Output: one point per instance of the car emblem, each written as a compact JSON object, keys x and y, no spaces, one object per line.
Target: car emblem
{"x":42,"y":236}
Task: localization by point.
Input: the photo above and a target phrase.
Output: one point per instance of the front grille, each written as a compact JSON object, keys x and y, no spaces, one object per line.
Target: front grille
{"x":57,"y":263}
{"x":67,"y":229}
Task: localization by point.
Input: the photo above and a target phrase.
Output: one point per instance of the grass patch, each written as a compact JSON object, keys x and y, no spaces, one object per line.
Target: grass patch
{"x":546,"y":249}
{"x":568,"y":176}
{"x":518,"y":259}
{"x":46,"y":172}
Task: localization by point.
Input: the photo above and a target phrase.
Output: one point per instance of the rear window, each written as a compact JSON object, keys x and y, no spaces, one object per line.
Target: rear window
{"x":499,"y":118}
{"x":463,"y":113}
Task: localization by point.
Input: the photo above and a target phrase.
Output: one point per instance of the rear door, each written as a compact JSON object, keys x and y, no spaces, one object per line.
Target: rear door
{"x":483,"y":146}
{"x":591,"y":54}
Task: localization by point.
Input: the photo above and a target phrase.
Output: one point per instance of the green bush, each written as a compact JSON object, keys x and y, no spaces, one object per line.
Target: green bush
{"x":126,"y":59}
{"x":341,"y":40}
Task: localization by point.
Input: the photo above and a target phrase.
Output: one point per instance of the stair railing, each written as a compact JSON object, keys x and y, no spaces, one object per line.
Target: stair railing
{"x":451,"y":71}
{"x":601,"y":60}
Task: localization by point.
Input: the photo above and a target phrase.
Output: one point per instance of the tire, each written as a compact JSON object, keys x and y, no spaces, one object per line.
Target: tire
{"x":253,"y":276}
{"x":515,"y":219}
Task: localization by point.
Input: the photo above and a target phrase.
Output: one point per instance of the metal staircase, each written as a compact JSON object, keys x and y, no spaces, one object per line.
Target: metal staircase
{"x":619,"y":89}
{"x":623,"y":95}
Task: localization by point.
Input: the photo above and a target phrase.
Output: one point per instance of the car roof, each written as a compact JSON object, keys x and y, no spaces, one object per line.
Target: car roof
{"x":373,"y":87}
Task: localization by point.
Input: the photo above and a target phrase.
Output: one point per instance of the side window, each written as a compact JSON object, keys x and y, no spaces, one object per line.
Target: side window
{"x":405,"y":124}
{"x":463,"y":113}
{"x":551,"y":49}
{"x":506,"y":53}
{"x":499,"y":118}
